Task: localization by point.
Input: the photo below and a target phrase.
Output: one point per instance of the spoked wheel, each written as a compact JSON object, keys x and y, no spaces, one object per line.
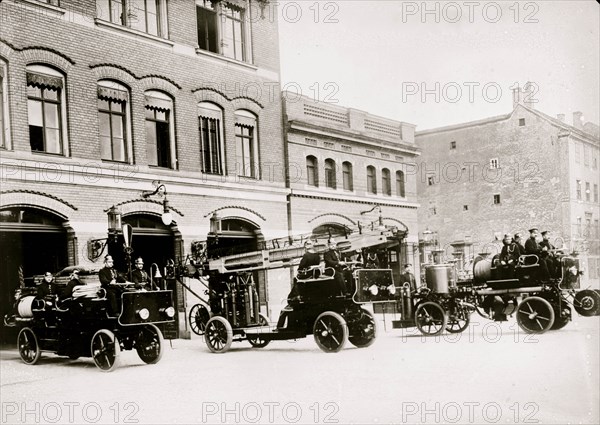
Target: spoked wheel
{"x":257,"y":340}
{"x":587,"y":303}
{"x":29,"y":348}
{"x":219,"y":335}
{"x":199,"y":317}
{"x":458,"y":321}
{"x":105,"y":350}
{"x":535,"y":315}
{"x":149,"y":344}
{"x":364,"y":330}
{"x":330,"y":331}
{"x":430,"y":318}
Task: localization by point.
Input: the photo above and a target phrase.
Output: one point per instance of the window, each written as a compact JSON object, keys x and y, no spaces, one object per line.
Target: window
{"x":386,"y":184}
{"x":371,"y":179}
{"x":400,"y":185}
{"x":430,"y":180}
{"x":347,"y":176}
{"x":3,"y":106}
{"x":330,"y":174}
{"x":160,"y":131}
{"x":579,"y":230}
{"x":246,"y":144}
{"x":149,"y":16}
{"x":496,"y":199}
{"x":494,"y":163}
{"x":113,"y":122}
{"x":222,"y":28}
{"x":577,"y":153}
{"x":452,"y":145}
{"x":312,"y":171}
{"x":210,"y":118}
{"x":587,"y":191}
{"x":46,"y":109}
{"x":465,"y":208}
{"x":578,"y":189}
{"x":595,"y":193}
{"x":521,"y":122}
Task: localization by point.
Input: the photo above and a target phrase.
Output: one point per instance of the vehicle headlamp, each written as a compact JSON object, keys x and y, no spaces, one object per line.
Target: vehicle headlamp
{"x":143,"y":313}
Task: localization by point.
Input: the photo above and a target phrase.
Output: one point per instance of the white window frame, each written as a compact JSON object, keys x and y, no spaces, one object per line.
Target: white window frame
{"x":212,"y":111}
{"x":104,"y":13}
{"x":172,"y":145}
{"x":128,"y":133}
{"x":44,"y":69}
{"x":244,"y":117}
{"x":6,"y":141}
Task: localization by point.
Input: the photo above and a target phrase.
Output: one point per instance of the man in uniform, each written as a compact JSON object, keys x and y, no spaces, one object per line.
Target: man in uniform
{"x":550,"y":256}
{"x":533,"y":248}
{"x":409,"y":277}
{"x":139,"y":276}
{"x":108,"y":280}
{"x":48,"y":287}
{"x":332,"y":260}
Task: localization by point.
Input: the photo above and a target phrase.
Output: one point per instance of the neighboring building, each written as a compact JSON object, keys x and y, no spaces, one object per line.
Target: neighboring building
{"x":505,"y":174}
{"x":349,"y":167}
{"x":101,"y":98}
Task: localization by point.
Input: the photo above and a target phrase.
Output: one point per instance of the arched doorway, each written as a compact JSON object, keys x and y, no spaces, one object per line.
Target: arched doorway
{"x":33,"y":240}
{"x":151,"y":240}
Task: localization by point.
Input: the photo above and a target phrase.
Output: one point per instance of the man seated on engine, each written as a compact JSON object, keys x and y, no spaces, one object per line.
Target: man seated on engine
{"x":140,"y":277}
{"x":509,"y":257}
{"x":333,"y":260}
{"x":74,"y":281}
{"x":549,"y":254}
{"x":47,"y":289}
{"x":108,"y":281}
{"x":309,"y":260}
{"x":533,"y":248}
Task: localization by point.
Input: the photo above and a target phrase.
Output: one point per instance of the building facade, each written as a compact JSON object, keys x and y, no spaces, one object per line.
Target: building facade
{"x":102,"y":98}
{"x":506,"y":174}
{"x":349,"y":168}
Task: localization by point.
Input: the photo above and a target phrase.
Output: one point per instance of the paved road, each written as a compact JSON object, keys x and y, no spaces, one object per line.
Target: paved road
{"x":489,"y":374}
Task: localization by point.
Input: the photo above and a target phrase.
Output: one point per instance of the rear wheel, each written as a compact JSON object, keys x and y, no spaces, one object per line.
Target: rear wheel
{"x":105,"y":350}
{"x":149,"y":344}
{"x":587,"y":303}
{"x":430,"y":318}
{"x":459,"y":320}
{"x":29,"y":348}
{"x":535,"y":315}
{"x":257,"y":340}
{"x":199,"y":317}
{"x":330,"y":331}
{"x":219,"y":335}
{"x":364,"y":330}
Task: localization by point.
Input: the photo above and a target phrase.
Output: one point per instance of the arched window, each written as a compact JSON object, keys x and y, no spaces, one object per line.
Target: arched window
{"x":312,"y":171}
{"x":347,"y":175}
{"x":113,"y":121}
{"x":210,"y":119}
{"x":46,"y":108}
{"x":371,"y":179}
{"x":246,"y":141}
{"x":330,"y":180}
{"x":4,"y":127}
{"x":400,"y":190}
{"x":160,"y":130}
{"x":386,"y":184}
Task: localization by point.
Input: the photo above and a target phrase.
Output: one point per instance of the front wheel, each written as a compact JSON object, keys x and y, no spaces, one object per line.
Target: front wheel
{"x":535,"y":315}
{"x":105,"y":350}
{"x":587,"y":303}
{"x":430,"y":318}
{"x":29,"y":348}
{"x":199,"y":317}
{"x":330,"y":331}
{"x":364,"y":330}
{"x":257,"y":340}
{"x":149,"y":344}
{"x":219,"y":335}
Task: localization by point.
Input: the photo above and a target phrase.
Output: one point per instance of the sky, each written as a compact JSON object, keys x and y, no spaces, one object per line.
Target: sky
{"x":440,"y":63}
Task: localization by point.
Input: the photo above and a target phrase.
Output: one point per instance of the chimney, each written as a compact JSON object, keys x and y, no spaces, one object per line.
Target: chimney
{"x":517,"y":96}
{"x":578,"y":120}
{"x":561,"y":117}
{"x":528,"y":94}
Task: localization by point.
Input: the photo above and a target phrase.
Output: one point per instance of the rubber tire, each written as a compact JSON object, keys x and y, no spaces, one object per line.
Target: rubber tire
{"x":431,"y":306}
{"x":158,"y":339}
{"x":29,"y":337}
{"x":521,"y":313}
{"x":218,"y":327}
{"x":100,"y":336}
{"x":322,"y":328}
{"x":257,"y":342}
{"x":196,"y":317}
{"x":589,"y":297}
{"x":361,"y":341}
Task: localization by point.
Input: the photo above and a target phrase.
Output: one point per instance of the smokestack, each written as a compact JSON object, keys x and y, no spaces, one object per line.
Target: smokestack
{"x":517,"y":96}
{"x":578,"y":120}
{"x":529,"y":99}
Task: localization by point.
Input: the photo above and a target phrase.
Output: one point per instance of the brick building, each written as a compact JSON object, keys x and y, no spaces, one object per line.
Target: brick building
{"x":479,"y":180}
{"x":100,"y":98}
{"x":349,"y":167}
